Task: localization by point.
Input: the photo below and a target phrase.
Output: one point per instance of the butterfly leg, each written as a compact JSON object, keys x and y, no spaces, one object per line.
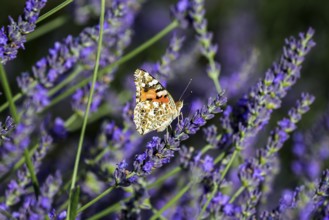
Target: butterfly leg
{"x":180,"y":117}
{"x":167,"y":131}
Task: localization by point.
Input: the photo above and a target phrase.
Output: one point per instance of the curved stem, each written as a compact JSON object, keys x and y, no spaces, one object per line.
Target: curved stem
{"x":164,"y":177}
{"x":66,"y":81}
{"x":85,"y":119}
{"x":46,"y":28}
{"x":15,"y":98}
{"x":124,"y":59}
{"x":237,"y":193}
{"x":235,"y":153}
{"x":54,"y":10}
{"x":96,"y":199}
{"x":172,"y":202}
{"x":18,"y":164}
{"x":13,"y":111}
{"x":107,"y":211}
{"x":208,"y":200}
{"x":219,"y":158}
{"x":8,"y":94}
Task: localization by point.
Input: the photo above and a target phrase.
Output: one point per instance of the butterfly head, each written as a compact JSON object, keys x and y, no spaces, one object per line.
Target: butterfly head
{"x":179,"y":106}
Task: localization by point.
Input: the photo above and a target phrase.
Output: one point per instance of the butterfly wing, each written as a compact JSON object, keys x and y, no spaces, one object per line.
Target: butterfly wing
{"x":155,"y":108}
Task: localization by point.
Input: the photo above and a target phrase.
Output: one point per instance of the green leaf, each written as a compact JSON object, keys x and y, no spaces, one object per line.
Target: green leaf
{"x":34,"y":179}
{"x":74,"y":200}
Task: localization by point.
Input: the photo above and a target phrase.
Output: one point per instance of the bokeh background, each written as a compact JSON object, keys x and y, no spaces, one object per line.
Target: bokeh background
{"x":239,"y":28}
{"x":247,"y":33}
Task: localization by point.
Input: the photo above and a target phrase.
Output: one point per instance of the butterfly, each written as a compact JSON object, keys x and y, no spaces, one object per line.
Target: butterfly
{"x":155,"y":108}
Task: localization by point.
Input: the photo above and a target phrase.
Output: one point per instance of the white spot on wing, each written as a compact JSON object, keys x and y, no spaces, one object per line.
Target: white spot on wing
{"x":153,"y":82}
{"x":162,"y":93}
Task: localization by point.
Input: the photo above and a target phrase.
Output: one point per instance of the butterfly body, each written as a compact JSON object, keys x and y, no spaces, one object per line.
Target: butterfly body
{"x":155,"y":108}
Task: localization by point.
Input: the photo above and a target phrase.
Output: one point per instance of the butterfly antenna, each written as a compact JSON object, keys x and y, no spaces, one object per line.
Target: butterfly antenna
{"x":185,"y":89}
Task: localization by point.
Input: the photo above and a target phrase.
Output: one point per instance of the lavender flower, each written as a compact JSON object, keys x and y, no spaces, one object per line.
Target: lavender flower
{"x":133,"y":207}
{"x":59,"y":129}
{"x":36,"y":93}
{"x":119,"y":21}
{"x":14,"y":37}
{"x":257,"y":172}
{"x":288,"y":201}
{"x":6,"y":129}
{"x":180,"y":11}
{"x":305,"y":202}
{"x":80,"y":98}
{"x":320,"y":198}
{"x":234,"y":84}
{"x":311,"y":149}
{"x":253,"y":111}
{"x":172,"y":53}
{"x":17,"y":188}
{"x":220,"y":172}
{"x":65,"y":55}
{"x":112,"y":144}
{"x":204,"y":37}
{"x":37,"y":209}
{"x":159,"y":152}
{"x":19,"y":139}
{"x":85,"y":10}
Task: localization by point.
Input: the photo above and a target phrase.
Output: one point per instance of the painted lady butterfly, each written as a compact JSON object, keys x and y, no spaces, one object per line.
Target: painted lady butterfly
{"x":155,"y":108}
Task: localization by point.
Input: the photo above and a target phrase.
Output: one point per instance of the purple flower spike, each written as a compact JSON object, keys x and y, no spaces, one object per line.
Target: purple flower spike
{"x":209,"y":50}
{"x":14,"y":37}
{"x":258,"y":172}
{"x":253,"y":111}
{"x":59,"y":128}
{"x":180,"y":11}
{"x":160,"y":151}
{"x":228,"y":165}
{"x":6,"y":128}
{"x":172,"y":54}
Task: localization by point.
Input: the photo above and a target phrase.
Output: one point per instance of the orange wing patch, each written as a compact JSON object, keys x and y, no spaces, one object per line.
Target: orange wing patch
{"x":155,"y":108}
{"x":152,"y":95}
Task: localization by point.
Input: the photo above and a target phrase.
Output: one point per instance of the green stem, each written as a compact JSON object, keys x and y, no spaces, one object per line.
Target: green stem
{"x":6,"y":214}
{"x":214,"y":77}
{"x":104,"y":110}
{"x":235,"y":153}
{"x":172,"y":202}
{"x":107,"y":211}
{"x":206,"y":148}
{"x":123,"y":59}
{"x":116,"y":206}
{"x":46,"y":28}
{"x":8,"y":94}
{"x":237,"y":193}
{"x":13,"y":111}
{"x":18,"y":164}
{"x":219,"y":158}
{"x":85,"y":119}
{"x":54,"y":10}
{"x":216,"y":82}
{"x":30,"y":168}
{"x":5,"y":105}
{"x":101,"y":154}
{"x":96,"y":199}
{"x":141,"y":48}
{"x":71,"y":120}
{"x":66,"y":81}
{"x":208,"y":200}
{"x":164,"y":177}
